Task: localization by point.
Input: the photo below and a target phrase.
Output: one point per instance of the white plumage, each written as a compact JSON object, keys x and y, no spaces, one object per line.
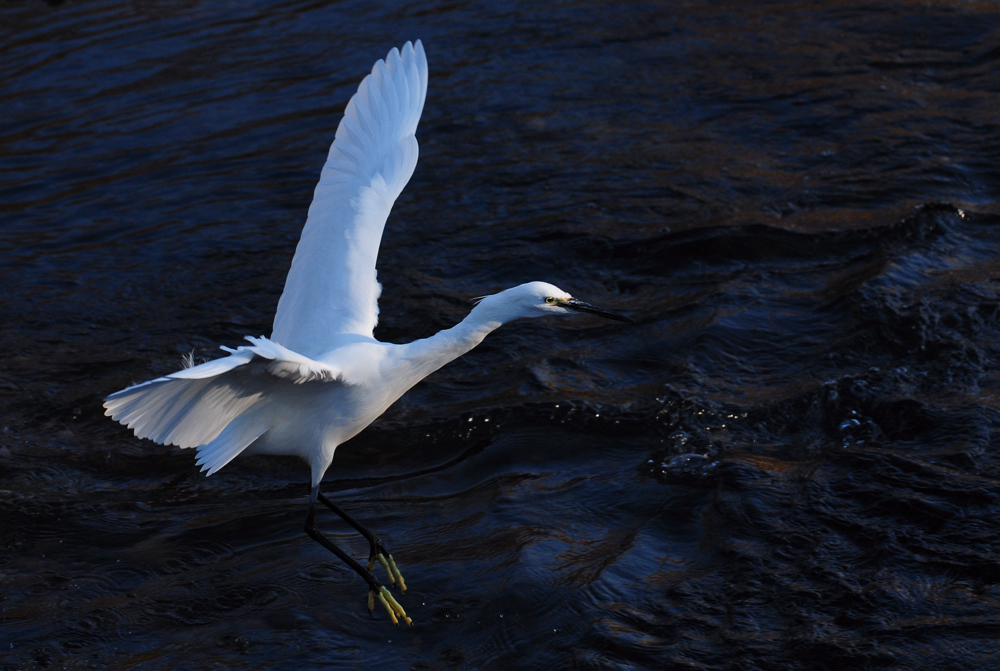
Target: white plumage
{"x":331,"y":294}
{"x":331,"y":289}
{"x":322,"y":377}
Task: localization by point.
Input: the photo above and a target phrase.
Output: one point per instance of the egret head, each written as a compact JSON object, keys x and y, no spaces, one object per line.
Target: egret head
{"x":537,"y":299}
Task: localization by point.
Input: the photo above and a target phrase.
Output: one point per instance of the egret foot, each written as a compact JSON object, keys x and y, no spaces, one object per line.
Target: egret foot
{"x":391,"y":570}
{"x":397,"y":574}
{"x":378,"y":551}
{"x":393,"y":608}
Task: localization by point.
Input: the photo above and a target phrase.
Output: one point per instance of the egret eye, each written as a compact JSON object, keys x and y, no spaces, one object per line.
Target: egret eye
{"x":551,"y":300}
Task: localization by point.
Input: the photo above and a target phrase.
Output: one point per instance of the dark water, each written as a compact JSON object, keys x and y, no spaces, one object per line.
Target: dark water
{"x":789,"y":462}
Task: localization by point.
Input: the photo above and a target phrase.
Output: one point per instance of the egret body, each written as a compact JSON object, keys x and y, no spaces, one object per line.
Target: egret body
{"x":322,"y":377}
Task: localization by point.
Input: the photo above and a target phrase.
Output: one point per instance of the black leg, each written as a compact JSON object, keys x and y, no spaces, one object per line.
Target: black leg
{"x":375,"y":588}
{"x":378,"y":550}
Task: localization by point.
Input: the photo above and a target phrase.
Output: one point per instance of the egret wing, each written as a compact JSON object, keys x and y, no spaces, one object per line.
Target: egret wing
{"x":218,"y":402}
{"x":331,"y":288}
{"x":190,"y":407}
{"x":219,"y":414}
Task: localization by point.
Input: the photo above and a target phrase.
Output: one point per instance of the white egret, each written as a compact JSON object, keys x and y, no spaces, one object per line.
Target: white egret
{"x":322,"y":377}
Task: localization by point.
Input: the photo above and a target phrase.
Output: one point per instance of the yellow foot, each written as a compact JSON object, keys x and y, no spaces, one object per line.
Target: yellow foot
{"x":392,"y":606}
{"x":390,"y":568}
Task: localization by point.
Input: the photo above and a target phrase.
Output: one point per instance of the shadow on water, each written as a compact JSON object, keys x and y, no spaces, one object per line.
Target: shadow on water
{"x":788,"y":462}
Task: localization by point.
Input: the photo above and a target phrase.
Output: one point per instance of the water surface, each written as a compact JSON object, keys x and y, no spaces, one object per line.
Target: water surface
{"x":789,"y":461}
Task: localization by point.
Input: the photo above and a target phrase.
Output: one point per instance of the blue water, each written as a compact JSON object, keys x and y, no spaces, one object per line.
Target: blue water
{"x":788,"y":462}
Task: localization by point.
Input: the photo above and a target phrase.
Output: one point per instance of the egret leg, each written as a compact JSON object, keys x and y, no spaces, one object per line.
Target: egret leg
{"x":375,"y":588}
{"x":378,"y":550}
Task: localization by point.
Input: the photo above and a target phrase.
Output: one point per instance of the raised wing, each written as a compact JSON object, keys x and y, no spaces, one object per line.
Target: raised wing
{"x":331,"y":288}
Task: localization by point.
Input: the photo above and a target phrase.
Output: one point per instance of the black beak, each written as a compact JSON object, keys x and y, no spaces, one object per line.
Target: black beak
{"x":580,"y":306}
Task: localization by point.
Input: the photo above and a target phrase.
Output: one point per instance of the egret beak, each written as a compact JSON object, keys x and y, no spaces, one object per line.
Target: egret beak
{"x":580,"y":306}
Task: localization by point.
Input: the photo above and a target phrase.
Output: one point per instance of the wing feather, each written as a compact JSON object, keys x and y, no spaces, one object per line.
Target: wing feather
{"x":194,"y":406}
{"x":236,"y":437}
{"x":186,"y":412}
{"x":331,"y":288}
